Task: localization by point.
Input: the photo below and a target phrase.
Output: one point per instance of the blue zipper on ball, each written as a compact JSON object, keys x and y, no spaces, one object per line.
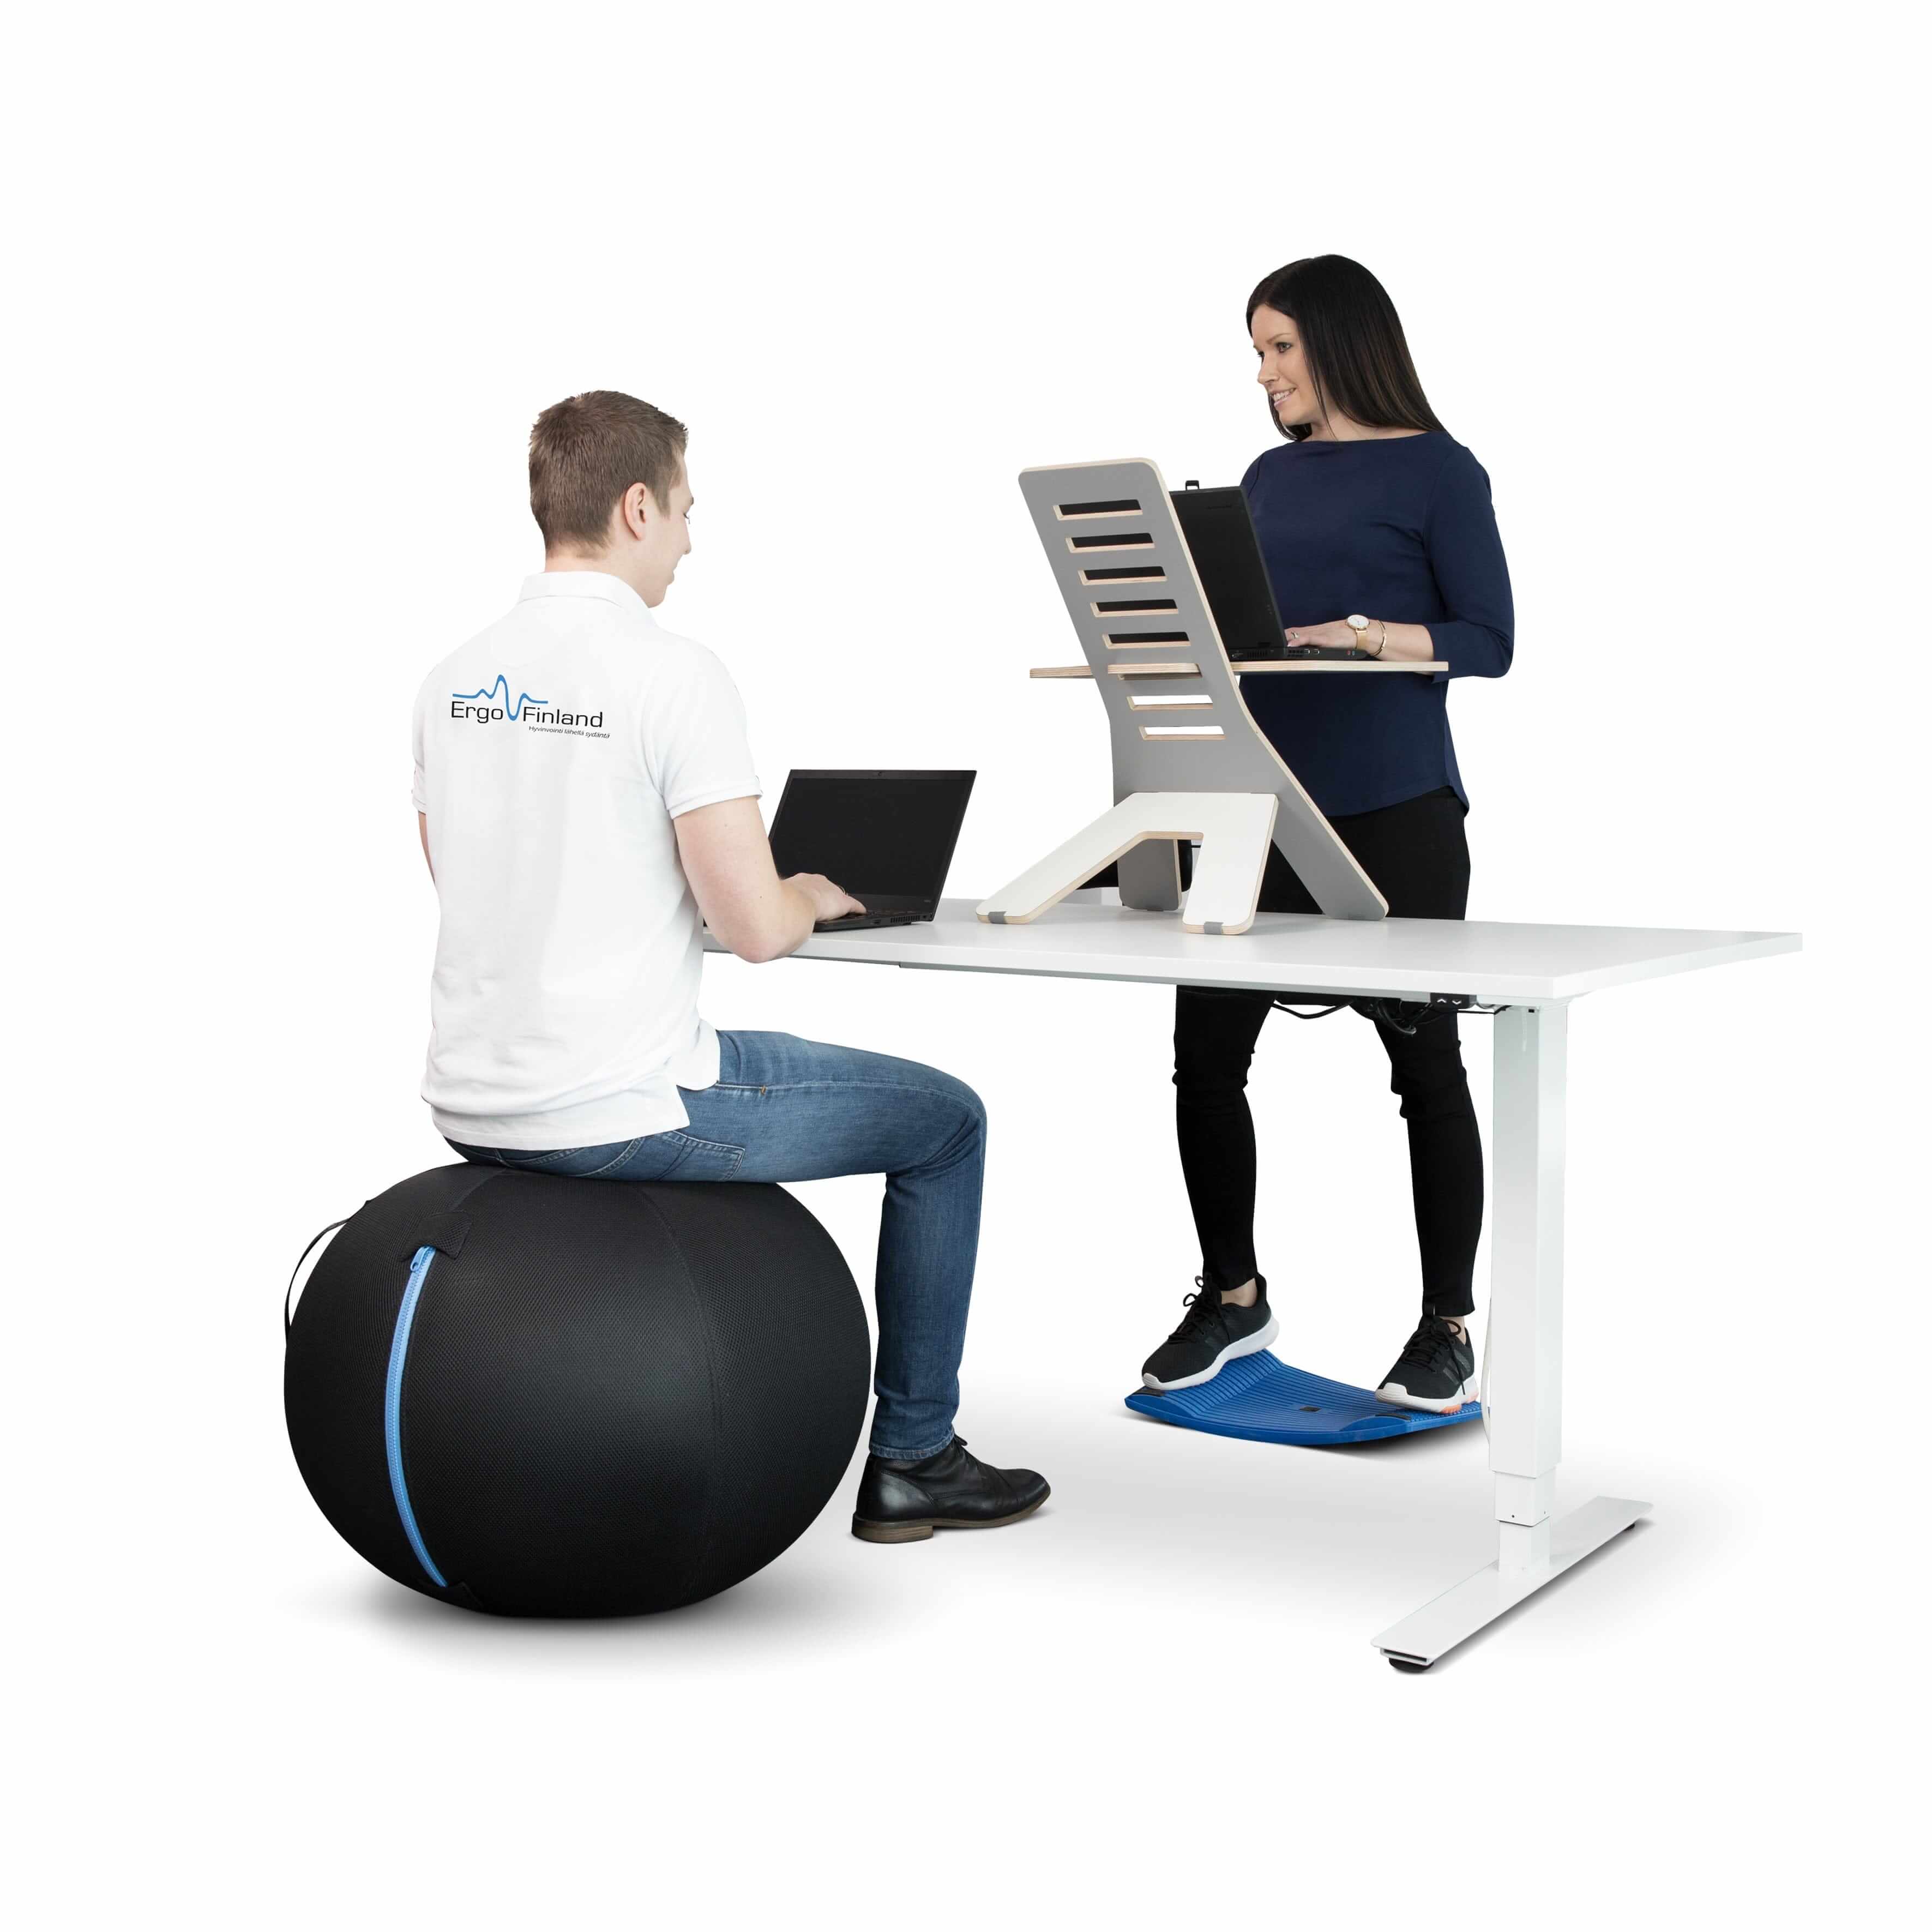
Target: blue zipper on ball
{"x":392,"y":1410}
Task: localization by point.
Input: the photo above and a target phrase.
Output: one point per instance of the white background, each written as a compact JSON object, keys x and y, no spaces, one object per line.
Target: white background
{"x":286,"y":292}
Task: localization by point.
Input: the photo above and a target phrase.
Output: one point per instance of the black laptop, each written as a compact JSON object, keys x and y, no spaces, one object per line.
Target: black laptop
{"x":885,"y":837}
{"x":1227,"y":555}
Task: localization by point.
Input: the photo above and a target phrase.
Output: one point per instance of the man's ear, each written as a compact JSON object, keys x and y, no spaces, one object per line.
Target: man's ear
{"x":635,"y":507}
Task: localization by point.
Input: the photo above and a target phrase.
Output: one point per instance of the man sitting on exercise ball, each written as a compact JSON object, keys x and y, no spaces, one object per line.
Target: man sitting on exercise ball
{"x":585,"y":793}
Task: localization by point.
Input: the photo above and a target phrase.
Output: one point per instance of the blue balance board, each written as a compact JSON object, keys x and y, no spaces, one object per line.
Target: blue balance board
{"x":1265,"y":1400}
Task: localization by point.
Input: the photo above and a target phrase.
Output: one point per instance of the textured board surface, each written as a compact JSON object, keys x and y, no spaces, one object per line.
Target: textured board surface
{"x":1264,"y":1399}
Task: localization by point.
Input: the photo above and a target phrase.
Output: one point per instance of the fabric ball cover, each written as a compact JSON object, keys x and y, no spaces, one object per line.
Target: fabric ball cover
{"x":550,"y":1397}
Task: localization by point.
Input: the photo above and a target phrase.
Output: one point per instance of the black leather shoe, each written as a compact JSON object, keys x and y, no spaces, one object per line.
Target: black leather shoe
{"x":905,"y":1502}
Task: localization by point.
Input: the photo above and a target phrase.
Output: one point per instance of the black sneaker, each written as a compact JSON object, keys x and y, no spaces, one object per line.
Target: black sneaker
{"x":1212,"y":1332}
{"x":905,"y":1502}
{"x":1434,"y":1371}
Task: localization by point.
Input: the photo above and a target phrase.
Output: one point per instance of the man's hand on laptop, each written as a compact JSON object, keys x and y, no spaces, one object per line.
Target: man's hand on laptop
{"x":828,"y":901}
{"x":728,"y":859}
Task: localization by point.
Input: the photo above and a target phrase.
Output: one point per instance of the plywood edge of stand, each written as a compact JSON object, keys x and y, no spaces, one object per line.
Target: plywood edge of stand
{"x":1266,"y":668}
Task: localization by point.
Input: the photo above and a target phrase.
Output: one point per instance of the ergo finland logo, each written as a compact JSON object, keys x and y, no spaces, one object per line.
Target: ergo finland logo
{"x":493,"y":705}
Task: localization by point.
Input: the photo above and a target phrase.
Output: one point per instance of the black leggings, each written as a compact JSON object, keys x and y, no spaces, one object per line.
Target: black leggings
{"x":1417,"y":854}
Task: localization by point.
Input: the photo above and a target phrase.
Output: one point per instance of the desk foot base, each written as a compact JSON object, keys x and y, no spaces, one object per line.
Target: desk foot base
{"x":1418,"y":1640}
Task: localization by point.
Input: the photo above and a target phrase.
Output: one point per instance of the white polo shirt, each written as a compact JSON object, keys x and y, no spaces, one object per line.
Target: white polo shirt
{"x":552,"y":753}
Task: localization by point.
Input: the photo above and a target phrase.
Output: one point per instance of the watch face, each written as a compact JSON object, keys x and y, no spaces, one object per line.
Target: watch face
{"x":1358,"y":623}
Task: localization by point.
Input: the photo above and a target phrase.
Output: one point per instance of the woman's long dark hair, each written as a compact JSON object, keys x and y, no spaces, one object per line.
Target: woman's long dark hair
{"x":1352,"y":340}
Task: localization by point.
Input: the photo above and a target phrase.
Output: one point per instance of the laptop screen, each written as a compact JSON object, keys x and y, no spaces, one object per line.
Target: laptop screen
{"x":880,"y":834}
{"x":1220,"y":535}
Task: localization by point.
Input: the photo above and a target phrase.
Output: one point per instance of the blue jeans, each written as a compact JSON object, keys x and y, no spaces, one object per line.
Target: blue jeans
{"x":788,"y":1109}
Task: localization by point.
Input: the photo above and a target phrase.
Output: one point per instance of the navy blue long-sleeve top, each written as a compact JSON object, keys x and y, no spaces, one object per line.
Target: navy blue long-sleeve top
{"x":1398,"y":528}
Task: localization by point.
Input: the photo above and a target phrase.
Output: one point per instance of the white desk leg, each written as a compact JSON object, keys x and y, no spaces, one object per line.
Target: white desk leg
{"x":1525,"y":1344}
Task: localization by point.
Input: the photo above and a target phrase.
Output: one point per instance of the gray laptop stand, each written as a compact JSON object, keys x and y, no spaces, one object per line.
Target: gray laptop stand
{"x":1189,"y":762}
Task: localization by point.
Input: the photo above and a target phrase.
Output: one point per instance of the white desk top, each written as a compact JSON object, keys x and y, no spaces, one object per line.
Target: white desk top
{"x":1293,"y":952}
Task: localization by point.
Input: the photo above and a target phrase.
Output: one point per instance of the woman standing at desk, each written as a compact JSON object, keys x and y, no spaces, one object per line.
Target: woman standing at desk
{"x":1376,"y":527}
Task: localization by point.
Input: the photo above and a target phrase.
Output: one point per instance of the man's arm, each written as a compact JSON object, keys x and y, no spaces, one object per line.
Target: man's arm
{"x":422,"y":833}
{"x":727,"y":859}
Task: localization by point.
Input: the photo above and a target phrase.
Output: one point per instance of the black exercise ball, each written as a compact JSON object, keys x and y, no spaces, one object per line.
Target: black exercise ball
{"x":549,"y":1397}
